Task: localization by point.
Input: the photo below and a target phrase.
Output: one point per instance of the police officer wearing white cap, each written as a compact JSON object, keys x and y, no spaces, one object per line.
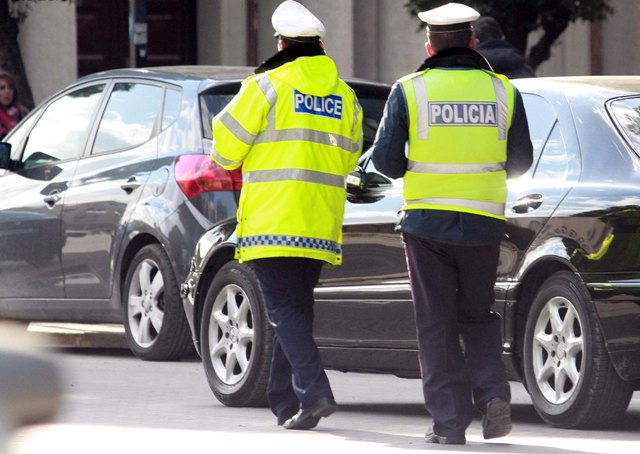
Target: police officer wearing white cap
{"x":467,"y":133}
{"x":296,"y":129}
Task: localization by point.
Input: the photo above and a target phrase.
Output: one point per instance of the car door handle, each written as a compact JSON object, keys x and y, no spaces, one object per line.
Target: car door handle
{"x":527,"y":203}
{"x":53,"y":198}
{"x":131,"y":185}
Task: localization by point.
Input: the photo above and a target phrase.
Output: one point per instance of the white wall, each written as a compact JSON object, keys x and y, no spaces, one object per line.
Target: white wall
{"x":48,"y":44}
{"x":620,"y":38}
{"x":570,"y":55}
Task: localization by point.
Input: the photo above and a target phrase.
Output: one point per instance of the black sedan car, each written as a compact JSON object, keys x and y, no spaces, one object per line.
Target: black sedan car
{"x":106,"y":188}
{"x":568,"y":282}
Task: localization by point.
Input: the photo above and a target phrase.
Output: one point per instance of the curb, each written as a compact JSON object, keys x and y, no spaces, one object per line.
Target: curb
{"x":79,"y":335}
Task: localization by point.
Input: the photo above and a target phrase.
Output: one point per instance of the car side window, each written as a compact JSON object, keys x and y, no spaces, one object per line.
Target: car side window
{"x":627,"y":113}
{"x":554,"y":160}
{"x":130,"y":117}
{"x":61,"y":131}
{"x":18,"y":134}
{"x":541,"y":117}
{"x":172,"y":100}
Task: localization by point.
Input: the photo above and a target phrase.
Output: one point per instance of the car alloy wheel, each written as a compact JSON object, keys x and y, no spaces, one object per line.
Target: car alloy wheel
{"x":557,"y":350}
{"x":236,"y":338}
{"x":154,"y":320}
{"x":146,"y":303}
{"x":567,"y":369}
{"x":231,"y":335}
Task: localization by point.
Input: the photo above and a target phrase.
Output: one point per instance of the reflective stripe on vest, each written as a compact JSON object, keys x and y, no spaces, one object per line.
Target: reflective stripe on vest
{"x":236,"y":128}
{"x":494,"y":208}
{"x":422,"y":105}
{"x":424,"y":167}
{"x":272,"y":96}
{"x":215,"y":155}
{"x":290,"y":241}
{"x":308,"y":176}
{"x":309,"y":135}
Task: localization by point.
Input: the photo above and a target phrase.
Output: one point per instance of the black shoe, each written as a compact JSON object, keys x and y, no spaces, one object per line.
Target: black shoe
{"x":308,"y":418}
{"x":286,"y":415}
{"x":497,"y":419}
{"x":432,"y":437}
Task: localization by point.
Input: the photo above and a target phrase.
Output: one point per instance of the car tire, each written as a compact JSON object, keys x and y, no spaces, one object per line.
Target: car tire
{"x":236,"y":338}
{"x":155,"y":324}
{"x":569,"y":375}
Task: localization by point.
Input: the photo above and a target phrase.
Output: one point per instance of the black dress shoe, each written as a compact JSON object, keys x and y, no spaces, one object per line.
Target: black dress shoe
{"x":286,"y":415}
{"x":307,"y":418}
{"x":497,"y":419}
{"x":432,"y":437}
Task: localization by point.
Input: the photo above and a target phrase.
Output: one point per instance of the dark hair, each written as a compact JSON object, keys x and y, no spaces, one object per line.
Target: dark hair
{"x":444,"y":40}
{"x":486,"y":27}
{"x":287,"y":41}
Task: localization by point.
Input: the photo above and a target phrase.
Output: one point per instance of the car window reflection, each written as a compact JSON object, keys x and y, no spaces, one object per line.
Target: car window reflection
{"x":129,"y":118}
{"x":62,"y":130}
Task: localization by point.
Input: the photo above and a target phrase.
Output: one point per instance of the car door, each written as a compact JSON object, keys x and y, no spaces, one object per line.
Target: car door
{"x":107,"y":185}
{"x":366,"y":302}
{"x":534,"y":196}
{"x":45,"y":149}
{"x":368,"y":297}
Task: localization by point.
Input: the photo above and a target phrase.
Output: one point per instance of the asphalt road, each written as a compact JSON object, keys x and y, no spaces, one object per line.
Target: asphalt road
{"x":115,"y":403}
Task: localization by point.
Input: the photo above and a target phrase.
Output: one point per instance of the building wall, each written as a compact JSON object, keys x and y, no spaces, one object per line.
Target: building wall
{"x":620,"y":37}
{"x":373,"y":39}
{"x":47,"y":42}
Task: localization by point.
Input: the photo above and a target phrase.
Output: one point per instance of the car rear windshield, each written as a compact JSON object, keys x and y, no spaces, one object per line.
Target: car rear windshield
{"x":626,"y":112}
{"x":371,"y":100}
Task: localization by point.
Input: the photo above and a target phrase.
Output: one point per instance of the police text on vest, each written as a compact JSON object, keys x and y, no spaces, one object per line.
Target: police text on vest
{"x":327,"y":106}
{"x":463,"y":113}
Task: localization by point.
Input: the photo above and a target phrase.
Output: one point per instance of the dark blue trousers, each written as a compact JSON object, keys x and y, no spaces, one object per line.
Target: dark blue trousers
{"x":297,"y":378}
{"x":453,"y":290}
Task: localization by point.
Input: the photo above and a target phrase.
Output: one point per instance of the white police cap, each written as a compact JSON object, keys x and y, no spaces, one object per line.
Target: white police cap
{"x":449,"y":17}
{"x":292,"y":20}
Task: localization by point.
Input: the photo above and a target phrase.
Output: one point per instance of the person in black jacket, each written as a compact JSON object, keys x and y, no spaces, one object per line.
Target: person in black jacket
{"x":453,"y":218}
{"x":503,"y":57}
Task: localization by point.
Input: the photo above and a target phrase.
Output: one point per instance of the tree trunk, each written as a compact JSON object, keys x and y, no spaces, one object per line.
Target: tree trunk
{"x":542,"y":50}
{"x":10,"y":56}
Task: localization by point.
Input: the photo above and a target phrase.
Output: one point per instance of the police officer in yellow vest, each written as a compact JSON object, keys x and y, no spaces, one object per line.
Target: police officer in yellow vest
{"x":467,"y":132}
{"x":296,"y":129}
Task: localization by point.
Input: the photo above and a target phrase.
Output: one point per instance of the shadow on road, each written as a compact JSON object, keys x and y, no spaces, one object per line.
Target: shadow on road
{"x":417,"y":443}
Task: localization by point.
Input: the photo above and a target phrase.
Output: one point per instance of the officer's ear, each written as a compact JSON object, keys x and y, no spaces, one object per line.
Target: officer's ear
{"x":473,"y":42}
{"x":321,"y":43}
{"x":429,"y":49}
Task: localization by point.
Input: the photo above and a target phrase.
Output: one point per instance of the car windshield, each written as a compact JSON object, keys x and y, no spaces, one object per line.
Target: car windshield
{"x":372,"y":105}
{"x":627,"y":113}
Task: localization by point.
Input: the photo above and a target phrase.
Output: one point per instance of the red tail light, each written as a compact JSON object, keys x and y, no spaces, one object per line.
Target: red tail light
{"x":198,"y":173}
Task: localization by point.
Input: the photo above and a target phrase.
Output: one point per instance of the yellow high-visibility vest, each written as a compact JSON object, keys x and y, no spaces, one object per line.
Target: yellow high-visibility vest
{"x":458,"y":125}
{"x":297,"y":133}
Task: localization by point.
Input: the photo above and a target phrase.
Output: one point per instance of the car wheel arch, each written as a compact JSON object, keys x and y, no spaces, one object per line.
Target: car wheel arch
{"x":596,"y":395}
{"x":131,"y":249}
{"x":220,"y":257}
{"x":526,"y":291}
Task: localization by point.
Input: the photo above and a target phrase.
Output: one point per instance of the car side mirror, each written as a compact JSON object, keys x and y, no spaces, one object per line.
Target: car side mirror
{"x":356,"y":181}
{"x":5,"y":155}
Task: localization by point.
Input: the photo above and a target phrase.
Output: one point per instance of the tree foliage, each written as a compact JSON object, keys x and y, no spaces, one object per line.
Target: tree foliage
{"x":12,"y":13}
{"x":519,"y":18}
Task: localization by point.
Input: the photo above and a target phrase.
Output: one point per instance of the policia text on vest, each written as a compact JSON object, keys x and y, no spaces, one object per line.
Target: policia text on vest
{"x":463,"y":113}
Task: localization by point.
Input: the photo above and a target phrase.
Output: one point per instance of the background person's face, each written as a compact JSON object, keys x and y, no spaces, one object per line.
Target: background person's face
{"x":6,"y":93}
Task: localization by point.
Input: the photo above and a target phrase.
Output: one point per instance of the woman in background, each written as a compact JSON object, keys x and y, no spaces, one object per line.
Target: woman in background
{"x":11,"y":111}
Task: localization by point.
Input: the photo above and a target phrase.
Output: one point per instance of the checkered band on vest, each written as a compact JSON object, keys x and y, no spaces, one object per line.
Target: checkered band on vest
{"x":290,"y":241}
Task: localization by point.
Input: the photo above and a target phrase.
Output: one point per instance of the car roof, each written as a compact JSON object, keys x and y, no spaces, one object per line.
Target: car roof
{"x":176,"y":73}
{"x":197,"y":73}
{"x":606,"y":86}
